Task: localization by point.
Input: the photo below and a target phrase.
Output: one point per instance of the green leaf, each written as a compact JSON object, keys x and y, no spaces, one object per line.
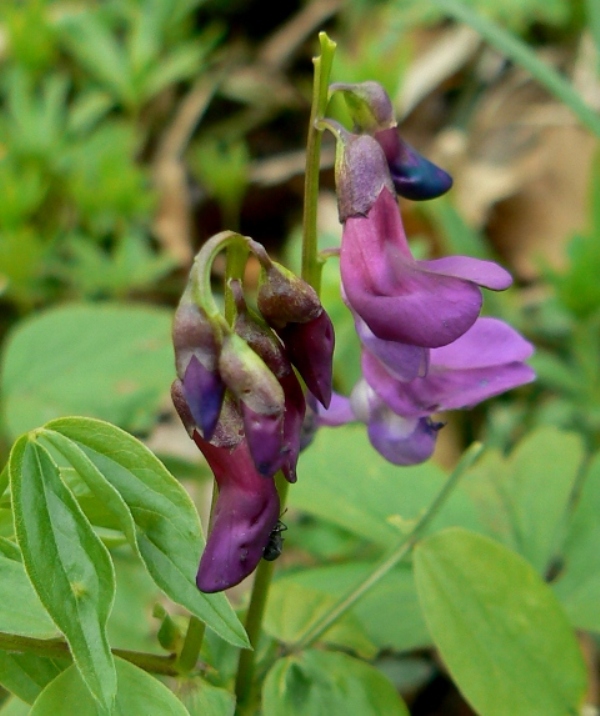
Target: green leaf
{"x":324,"y":683}
{"x":378,"y":610}
{"x":133,"y":483}
{"x":138,"y":693}
{"x":25,"y":675}
{"x":67,"y":564}
{"x":500,"y":630}
{"x":108,"y":361}
{"x":21,"y":611}
{"x":203,"y":699}
{"x":578,"y":585}
{"x":343,"y":480}
{"x":14,"y":707}
{"x":292,"y":608}
{"x":523,"y":499}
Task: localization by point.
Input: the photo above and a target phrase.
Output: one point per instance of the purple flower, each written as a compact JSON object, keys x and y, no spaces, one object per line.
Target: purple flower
{"x":246,"y":511}
{"x":486,"y":361}
{"x":419,"y":303}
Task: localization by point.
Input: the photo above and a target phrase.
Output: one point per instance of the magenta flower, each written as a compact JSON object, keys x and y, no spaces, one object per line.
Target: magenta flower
{"x":419,"y":303}
{"x":486,"y":361}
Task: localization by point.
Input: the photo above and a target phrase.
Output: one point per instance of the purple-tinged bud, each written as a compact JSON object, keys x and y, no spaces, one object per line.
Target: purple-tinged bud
{"x":361,"y":173}
{"x":262,"y":402}
{"x":196,"y":341}
{"x":369,"y":105}
{"x":284,"y":297}
{"x":246,"y":511}
{"x":414,"y":176}
{"x":265,"y":343}
{"x":310,"y":348}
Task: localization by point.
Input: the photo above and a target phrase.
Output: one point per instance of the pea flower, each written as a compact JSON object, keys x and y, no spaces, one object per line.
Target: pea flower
{"x":419,"y":303}
{"x":485,"y":361}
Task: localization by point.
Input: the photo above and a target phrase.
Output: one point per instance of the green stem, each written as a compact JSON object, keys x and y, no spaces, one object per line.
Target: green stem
{"x":254,"y":616}
{"x":402,"y":549}
{"x":59,"y":649}
{"x":519,"y":52}
{"x":188,"y":656}
{"x":311,"y":267}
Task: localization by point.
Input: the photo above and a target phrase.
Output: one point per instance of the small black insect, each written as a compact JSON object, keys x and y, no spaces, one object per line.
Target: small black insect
{"x":274,"y":546}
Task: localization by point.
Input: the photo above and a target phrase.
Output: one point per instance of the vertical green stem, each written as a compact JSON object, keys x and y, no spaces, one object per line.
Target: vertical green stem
{"x":311,"y":268}
{"x":389,"y":561}
{"x":311,"y":272}
{"x":188,"y":656}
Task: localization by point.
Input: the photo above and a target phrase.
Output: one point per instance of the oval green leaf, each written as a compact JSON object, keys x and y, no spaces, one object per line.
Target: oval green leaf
{"x":138,"y":693}
{"x":68,"y":566}
{"x":118,"y":366}
{"x":125,"y":474}
{"x":498,"y":626}
{"x":326,"y":683}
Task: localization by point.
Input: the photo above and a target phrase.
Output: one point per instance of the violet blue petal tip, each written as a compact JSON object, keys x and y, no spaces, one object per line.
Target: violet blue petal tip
{"x":204,"y":392}
{"x":399,"y":440}
{"x":338,"y":413}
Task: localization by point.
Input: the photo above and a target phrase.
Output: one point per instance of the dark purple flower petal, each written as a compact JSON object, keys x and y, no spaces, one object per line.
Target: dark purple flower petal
{"x":310,"y":348}
{"x":264,"y":434}
{"x":204,"y":392}
{"x":246,"y":511}
{"x":295,"y":410}
{"x":414,"y":176}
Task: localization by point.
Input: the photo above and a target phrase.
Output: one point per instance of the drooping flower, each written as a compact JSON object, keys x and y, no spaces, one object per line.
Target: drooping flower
{"x":486,"y":361}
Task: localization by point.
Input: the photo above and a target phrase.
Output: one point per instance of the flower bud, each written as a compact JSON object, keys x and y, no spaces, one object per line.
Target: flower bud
{"x":369,"y":105}
{"x":361,"y":173}
{"x":196,"y":341}
{"x":285,"y":298}
{"x":261,"y":400}
{"x":310,"y":348}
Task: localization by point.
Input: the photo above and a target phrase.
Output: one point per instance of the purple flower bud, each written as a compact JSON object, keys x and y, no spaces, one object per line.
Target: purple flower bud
{"x":265,"y":343}
{"x":285,"y":298}
{"x":245,"y":514}
{"x":419,"y":303}
{"x":196,"y":341}
{"x":414,"y":176}
{"x":310,"y":348}
{"x":262,"y":401}
{"x":361,"y":174}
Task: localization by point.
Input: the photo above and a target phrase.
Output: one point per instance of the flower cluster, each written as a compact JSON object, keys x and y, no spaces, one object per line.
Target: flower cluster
{"x":239,"y":397}
{"x":424,"y":347}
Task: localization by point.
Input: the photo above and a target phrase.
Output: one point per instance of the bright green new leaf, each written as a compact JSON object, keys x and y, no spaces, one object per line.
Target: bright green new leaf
{"x":139,"y":694}
{"x":14,"y":707}
{"x":25,"y":675}
{"x":67,"y":564}
{"x":343,"y":480}
{"x":108,"y":361}
{"x":156,"y":513}
{"x":499,"y":628}
{"x":293,"y":608}
{"x":325,"y":683}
